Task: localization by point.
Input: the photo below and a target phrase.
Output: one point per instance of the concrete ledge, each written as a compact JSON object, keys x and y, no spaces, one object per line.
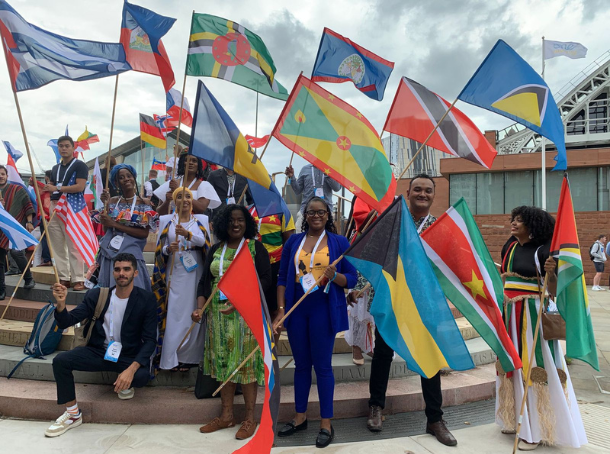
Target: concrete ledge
{"x":23,"y":310}
{"x":40,"y":293}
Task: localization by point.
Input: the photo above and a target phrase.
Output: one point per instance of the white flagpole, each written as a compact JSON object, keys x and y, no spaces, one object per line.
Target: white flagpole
{"x":543,"y":150}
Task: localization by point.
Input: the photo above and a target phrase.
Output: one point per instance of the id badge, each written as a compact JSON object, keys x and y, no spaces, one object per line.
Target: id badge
{"x":307,"y":282}
{"x":230,"y":200}
{"x":113,"y":351}
{"x":222,"y":296}
{"x":116,"y":242}
{"x":188,"y":261}
{"x":319,"y":193}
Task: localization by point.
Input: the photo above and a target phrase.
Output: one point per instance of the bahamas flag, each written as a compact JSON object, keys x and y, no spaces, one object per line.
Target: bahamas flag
{"x":409,"y":307}
{"x":572,"y":298}
{"x":339,"y":141}
{"x":507,"y":85}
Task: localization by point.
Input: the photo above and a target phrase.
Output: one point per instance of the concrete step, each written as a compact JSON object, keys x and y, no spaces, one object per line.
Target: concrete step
{"x":16,"y":333}
{"x":344,"y":368}
{"x":149,"y":257}
{"x":40,"y":293}
{"x":23,"y":310}
{"x":30,"y":399}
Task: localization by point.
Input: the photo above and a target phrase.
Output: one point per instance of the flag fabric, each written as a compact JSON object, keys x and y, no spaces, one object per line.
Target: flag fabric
{"x":572,"y":298}
{"x":71,"y":209}
{"x":19,"y":238}
{"x":507,"y":85}
{"x":15,"y":154}
{"x":572,"y":50}
{"x":96,"y":186}
{"x":416,"y":111}
{"x":172,"y":102}
{"x":36,"y":57}
{"x":267,"y":201}
{"x":410,"y":310}
{"x":84,"y":140}
{"x":341,"y":60}
{"x":12,"y":172}
{"x":339,"y":141}
{"x":141,"y":33}
{"x":241,"y":286}
{"x":53,"y":144}
{"x":226,"y":50}
{"x":256,"y":142}
{"x":162,"y":123}
{"x":158,"y":165}
{"x":150,"y":132}
{"x":469,"y":279}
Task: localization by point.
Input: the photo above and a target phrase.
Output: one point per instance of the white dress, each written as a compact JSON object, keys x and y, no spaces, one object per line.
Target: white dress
{"x":182,"y":300}
{"x":205,"y":190}
{"x":361,"y":331}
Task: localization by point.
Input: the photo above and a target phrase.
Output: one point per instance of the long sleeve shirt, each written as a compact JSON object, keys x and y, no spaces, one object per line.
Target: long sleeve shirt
{"x":305,"y":185}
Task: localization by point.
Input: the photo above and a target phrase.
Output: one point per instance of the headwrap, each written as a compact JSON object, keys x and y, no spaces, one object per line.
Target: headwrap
{"x":179,"y":191}
{"x":114,"y":173}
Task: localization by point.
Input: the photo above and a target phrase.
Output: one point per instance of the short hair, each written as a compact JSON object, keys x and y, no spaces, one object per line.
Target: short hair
{"x":329,"y":226}
{"x":603,"y":235}
{"x":181,"y":170}
{"x":63,"y":138}
{"x":126,"y":257}
{"x":539,"y":223}
{"x":422,"y":175}
{"x":3,"y":168}
{"x":48,"y":174}
{"x":152,"y":172}
{"x":222,"y":220}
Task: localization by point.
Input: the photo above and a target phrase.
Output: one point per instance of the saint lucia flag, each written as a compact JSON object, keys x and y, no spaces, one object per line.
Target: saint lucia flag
{"x":507,"y":85}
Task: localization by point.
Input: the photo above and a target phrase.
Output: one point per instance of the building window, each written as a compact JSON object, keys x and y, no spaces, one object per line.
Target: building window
{"x":519,"y":189}
{"x":598,"y":114}
{"x":464,"y":185}
{"x":576,"y":125}
{"x":490,"y":193}
{"x":583,"y":185}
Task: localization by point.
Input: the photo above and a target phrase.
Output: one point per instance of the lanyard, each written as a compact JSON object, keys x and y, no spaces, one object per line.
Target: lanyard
{"x":222,"y":256}
{"x":111,"y":315}
{"x":313,"y":179}
{"x":65,"y":173}
{"x":313,"y":252}
{"x":421,"y":226}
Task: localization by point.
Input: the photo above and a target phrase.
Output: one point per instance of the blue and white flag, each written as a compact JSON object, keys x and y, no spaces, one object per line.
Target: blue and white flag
{"x":572,"y":50}
{"x":53,"y":144}
{"x":15,"y":154}
{"x":18,"y":237}
{"x":36,"y":57}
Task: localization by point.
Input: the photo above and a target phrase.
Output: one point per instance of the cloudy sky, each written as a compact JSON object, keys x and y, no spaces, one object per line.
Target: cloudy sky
{"x":438,"y":43}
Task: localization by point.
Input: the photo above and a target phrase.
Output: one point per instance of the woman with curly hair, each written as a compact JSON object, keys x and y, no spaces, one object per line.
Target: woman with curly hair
{"x":126,"y":226}
{"x":551,"y":415}
{"x":229,"y":340}
{"x":313,"y":325}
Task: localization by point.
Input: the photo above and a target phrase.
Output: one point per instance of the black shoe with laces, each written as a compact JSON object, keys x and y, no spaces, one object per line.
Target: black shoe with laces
{"x":29,"y":284}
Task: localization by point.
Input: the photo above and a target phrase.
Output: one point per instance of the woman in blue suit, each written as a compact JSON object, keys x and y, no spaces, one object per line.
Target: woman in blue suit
{"x":313,"y":325}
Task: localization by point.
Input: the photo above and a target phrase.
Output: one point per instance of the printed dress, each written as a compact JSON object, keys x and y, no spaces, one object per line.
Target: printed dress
{"x":361,"y":323}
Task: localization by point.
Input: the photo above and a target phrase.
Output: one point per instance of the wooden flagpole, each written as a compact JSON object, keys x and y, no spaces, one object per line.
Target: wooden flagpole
{"x":142,"y":157}
{"x":201,"y":311}
{"x":116,"y":89}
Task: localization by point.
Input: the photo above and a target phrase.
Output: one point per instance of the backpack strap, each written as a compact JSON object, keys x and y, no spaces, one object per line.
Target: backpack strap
{"x":17,"y":366}
{"x":101,"y":302}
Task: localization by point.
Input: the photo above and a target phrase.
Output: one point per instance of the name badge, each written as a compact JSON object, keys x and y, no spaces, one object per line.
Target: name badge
{"x":113,"y":351}
{"x":319,"y":192}
{"x":309,"y":282}
{"x":222,"y":296}
{"x":116,"y":242}
{"x":230,"y":200}
{"x":188,"y":261}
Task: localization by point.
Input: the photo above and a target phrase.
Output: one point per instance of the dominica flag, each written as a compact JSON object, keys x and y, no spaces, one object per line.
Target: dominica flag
{"x":84,"y":140}
{"x":224,"y":49}
{"x":507,"y":85}
{"x":470,"y":280}
{"x":572,"y":298}
{"x":150,"y":132}
{"x":409,"y":307}
{"x":339,"y":141}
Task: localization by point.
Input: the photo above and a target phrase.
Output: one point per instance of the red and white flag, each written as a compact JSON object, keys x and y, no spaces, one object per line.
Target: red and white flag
{"x":256,"y":142}
{"x":173,"y":99}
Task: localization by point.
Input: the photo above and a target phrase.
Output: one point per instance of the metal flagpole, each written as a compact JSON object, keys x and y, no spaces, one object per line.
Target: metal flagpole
{"x":116,"y":88}
{"x":543,"y":151}
{"x":256,"y":118}
{"x":142,"y":158}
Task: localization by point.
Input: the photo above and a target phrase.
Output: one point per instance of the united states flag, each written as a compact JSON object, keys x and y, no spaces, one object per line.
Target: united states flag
{"x":72,"y":211}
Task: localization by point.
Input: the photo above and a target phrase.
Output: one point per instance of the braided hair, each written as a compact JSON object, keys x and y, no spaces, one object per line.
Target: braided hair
{"x":182,"y":166}
{"x":539,"y":223}
{"x":330,"y":225}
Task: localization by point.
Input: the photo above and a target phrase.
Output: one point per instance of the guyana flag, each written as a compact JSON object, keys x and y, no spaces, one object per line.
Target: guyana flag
{"x":150,"y":133}
{"x":224,"y":49}
{"x":339,"y":141}
{"x":572,"y":298}
{"x":467,"y":274}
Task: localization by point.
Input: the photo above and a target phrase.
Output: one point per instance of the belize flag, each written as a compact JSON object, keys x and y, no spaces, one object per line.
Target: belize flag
{"x":341,"y":60}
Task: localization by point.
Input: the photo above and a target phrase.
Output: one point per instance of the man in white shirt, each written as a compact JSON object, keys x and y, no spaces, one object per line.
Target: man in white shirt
{"x":599,"y":258}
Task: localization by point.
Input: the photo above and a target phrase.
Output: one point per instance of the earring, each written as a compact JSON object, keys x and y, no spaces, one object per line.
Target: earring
{"x":531,"y":236}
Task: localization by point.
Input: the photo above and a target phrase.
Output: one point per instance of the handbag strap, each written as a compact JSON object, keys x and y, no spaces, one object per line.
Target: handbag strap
{"x":538,"y":272}
{"x":101,"y":302}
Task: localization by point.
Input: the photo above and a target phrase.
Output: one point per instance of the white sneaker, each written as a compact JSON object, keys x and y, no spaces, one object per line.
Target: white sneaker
{"x":596,"y":288}
{"x":127,"y":394}
{"x":64,"y":423}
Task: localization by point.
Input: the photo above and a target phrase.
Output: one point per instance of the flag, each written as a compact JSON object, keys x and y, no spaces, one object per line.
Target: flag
{"x":84,"y":140}
{"x":71,"y":209}
{"x":36,"y":57}
{"x":256,"y":142}
{"x":416,"y":111}
{"x":141,"y":32}
{"x":15,"y":154}
{"x":507,"y":85}
{"x":162,"y":123}
{"x":53,"y":144}
{"x":469,"y":279}
{"x":18,"y":237}
{"x":268,"y":201}
{"x":158,"y":165}
{"x":410,"y":310}
{"x":13,"y":173}
{"x":173,"y":98}
{"x":341,"y":60}
{"x":572,"y":50}
{"x":572,"y":299}
{"x":96,"y":186}
{"x":226,"y":50}
{"x":150,"y":132}
{"x":339,"y":141}
{"x":241,"y":286}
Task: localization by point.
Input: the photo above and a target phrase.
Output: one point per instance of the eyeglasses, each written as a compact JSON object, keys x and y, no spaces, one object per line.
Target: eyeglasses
{"x":319,"y":213}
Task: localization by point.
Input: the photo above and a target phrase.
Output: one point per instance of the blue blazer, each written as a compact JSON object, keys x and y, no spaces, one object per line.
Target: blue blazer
{"x":337,"y":245}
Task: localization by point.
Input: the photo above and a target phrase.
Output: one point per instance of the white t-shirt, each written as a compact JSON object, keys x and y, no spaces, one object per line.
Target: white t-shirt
{"x":205,"y":189}
{"x":116,"y":310}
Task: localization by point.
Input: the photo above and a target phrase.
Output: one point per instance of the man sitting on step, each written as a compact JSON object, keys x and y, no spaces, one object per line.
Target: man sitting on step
{"x":123,"y":340}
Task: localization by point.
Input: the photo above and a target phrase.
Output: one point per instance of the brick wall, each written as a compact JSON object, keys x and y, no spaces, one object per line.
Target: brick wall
{"x":495,"y":229}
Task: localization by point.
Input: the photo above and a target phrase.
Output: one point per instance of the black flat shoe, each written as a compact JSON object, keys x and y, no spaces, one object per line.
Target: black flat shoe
{"x":2,"y":295}
{"x":291,"y":428}
{"x":325,"y":437}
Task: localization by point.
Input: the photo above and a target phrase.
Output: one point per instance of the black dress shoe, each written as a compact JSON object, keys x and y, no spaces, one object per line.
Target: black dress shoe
{"x":2,"y":294}
{"x":29,"y":284}
{"x":291,"y":427}
{"x":325,"y":437}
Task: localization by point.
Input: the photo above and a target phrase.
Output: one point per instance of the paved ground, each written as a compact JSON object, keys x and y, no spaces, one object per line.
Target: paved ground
{"x":467,"y":422}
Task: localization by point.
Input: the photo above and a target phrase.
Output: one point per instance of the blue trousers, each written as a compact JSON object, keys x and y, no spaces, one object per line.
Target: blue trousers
{"x":312,"y":340}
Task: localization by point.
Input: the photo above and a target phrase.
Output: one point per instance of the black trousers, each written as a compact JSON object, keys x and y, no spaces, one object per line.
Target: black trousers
{"x":380,"y":374}
{"x":89,"y":359}
{"x":20,"y":259}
